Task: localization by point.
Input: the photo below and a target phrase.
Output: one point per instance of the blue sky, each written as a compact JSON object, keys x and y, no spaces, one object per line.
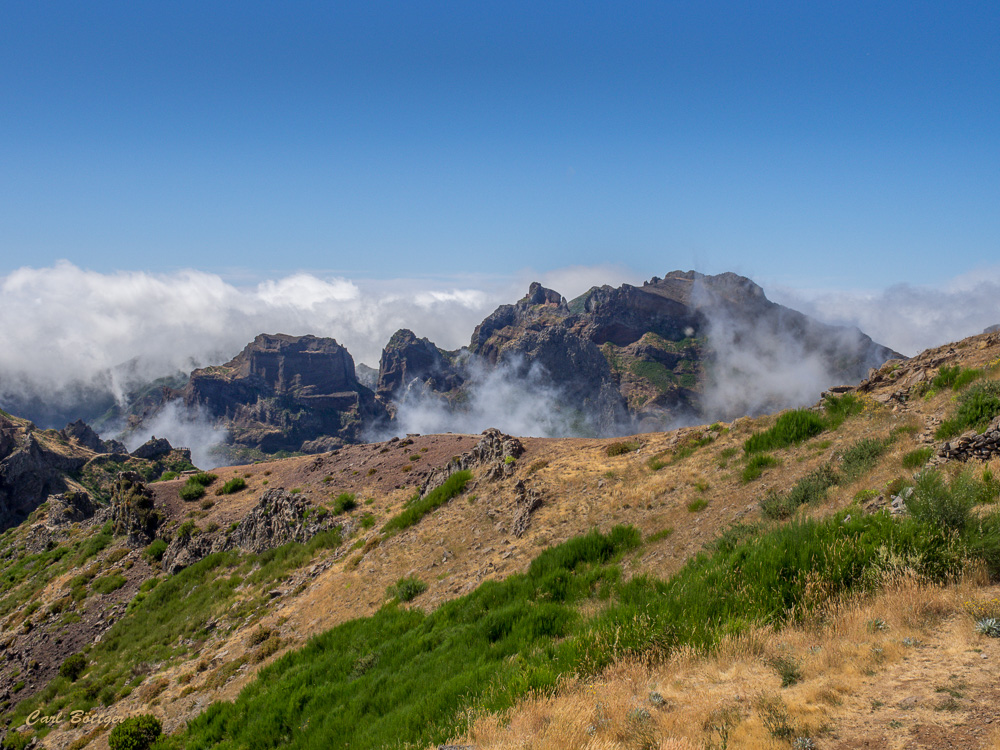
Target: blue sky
{"x":835,"y":145}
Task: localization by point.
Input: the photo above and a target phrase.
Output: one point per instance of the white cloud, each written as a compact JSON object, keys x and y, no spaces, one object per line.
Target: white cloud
{"x":908,"y":318}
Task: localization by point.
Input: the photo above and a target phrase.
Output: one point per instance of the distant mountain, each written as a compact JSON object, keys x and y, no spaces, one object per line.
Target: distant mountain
{"x":680,"y":349}
{"x":643,"y":357}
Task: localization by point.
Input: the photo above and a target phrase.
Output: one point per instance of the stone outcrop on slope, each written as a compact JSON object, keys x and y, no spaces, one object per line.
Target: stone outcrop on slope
{"x":279,"y":517}
{"x":29,"y":470}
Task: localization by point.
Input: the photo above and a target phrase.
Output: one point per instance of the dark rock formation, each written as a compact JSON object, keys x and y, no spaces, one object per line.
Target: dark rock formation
{"x":132,"y":511}
{"x":152,"y":449}
{"x":283,"y":391}
{"x":632,"y":357}
{"x":407,"y":360}
{"x":68,"y":507}
{"x":279,"y":517}
{"x":29,"y":471}
{"x":495,"y":451}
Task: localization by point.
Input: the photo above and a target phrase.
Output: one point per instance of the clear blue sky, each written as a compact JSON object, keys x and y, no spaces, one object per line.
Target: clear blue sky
{"x":826,"y":143}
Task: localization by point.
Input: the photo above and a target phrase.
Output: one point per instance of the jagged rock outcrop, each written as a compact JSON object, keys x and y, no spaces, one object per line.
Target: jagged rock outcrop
{"x":407,"y":360}
{"x":495,"y":450}
{"x":279,"y":517}
{"x":526,"y":501}
{"x":29,"y":471}
{"x":72,"y":506}
{"x":132,"y":512}
{"x":641,"y":356}
{"x":83,"y":434}
{"x":281,"y":392}
{"x":153,"y":448}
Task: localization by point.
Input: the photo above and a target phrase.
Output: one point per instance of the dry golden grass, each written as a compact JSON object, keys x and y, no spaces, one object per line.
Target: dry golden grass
{"x":868,"y":666}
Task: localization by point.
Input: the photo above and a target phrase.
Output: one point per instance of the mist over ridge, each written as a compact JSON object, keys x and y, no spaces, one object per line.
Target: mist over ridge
{"x":79,"y":340}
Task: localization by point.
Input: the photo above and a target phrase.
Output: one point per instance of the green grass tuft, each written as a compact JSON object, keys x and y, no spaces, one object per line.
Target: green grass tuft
{"x":420,"y":507}
{"x":790,"y":428}
{"x":756,"y":465}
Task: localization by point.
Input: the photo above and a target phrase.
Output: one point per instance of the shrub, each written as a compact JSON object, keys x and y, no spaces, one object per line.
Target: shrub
{"x":976,"y":408}
{"x":658,"y":535}
{"x":191,"y":491}
{"x":419,"y":507}
{"x":839,"y":408}
{"x":621,"y":448}
{"x":233,"y":485}
{"x":155,"y":550}
{"x":344,"y":502}
{"x":917,"y":458}
{"x":934,"y":502}
{"x":167,"y":476}
{"x":790,"y":428}
{"x":810,"y":489}
{"x":756,"y":465}
{"x":203,"y":478}
{"x":406,"y":589}
{"x":695,"y":505}
{"x":73,"y":667}
{"x":861,"y":457}
{"x":135,"y":733}
{"x":107,"y":584}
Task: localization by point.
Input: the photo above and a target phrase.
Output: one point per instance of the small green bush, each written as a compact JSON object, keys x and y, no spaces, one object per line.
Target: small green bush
{"x":406,"y":589}
{"x":167,"y":476}
{"x":861,"y":457}
{"x":839,"y":408}
{"x":621,"y":448}
{"x":935,"y":502}
{"x":107,"y":584}
{"x":976,"y":408}
{"x":790,"y":428}
{"x":810,"y":489}
{"x":418,"y":507}
{"x":73,"y":667}
{"x":695,"y":505}
{"x":917,"y":458}
{"x":135,"y":733}
{"x":344,"y":502}
{"x":756,"y":465}
{"x":191,"y":491}
{"x":203,"y":478}
{"x":233,"y":485}
{"x":155,"y":550}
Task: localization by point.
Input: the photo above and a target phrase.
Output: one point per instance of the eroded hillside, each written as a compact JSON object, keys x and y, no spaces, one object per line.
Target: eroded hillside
{"x":267,"y":555}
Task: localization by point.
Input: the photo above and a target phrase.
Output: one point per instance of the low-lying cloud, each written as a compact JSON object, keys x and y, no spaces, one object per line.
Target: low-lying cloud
{"x":904,"y":317}
{"x":514,"y":401}
{"x":70,"y":336}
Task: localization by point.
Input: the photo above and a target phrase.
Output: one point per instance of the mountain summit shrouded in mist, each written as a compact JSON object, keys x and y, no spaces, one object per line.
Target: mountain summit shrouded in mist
{"x":615,"y":360}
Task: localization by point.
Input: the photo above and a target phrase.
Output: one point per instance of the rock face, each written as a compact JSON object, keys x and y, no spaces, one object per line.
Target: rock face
{"x":68,"y":507}
{"x":29,"y":471}
{"x":279,"y":517}
{"x":641,"y":357}
{"x":152,"y":449}
{"x":407,"y":360}
{"x":132,"y":511}
{"x":283,"y":391}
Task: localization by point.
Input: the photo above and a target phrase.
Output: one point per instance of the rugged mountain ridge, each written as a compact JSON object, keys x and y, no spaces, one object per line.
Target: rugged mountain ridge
{"x":619,"y":360}
{"x":285,"y":393}
{"x":342,"y":559}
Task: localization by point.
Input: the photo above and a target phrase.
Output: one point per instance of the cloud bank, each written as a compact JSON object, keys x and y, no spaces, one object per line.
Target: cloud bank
{"x":70,"y":335}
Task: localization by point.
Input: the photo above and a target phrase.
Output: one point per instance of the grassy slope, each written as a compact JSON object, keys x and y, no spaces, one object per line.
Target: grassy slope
{"x":632,"y":492}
